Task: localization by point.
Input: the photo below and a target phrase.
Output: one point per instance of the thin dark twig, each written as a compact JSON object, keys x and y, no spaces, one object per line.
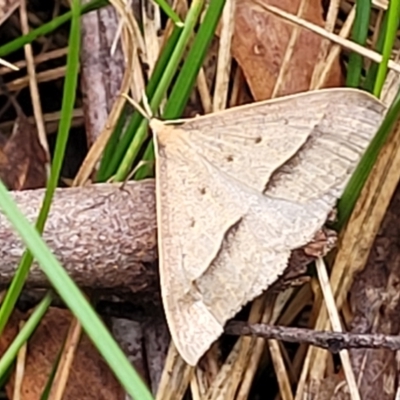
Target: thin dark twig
{"x":332,"y":341}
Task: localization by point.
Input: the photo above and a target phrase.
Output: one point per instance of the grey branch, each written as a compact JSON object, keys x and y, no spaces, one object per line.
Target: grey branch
{"x":332,"y":341}
{"x":105,"y":237}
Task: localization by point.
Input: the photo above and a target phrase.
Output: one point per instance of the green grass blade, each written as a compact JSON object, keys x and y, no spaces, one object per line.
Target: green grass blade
{"x":111,"y":147}
{"x":370,"y":78}
{"x":184,"y":84}
{"x":68,"y":102}
{"x":391,"y":33}
{"x":47,"y":389}
{"x":169,"y":12}
{"x":147,"y":169}
{"x":74,"y":299}
{"x":359,"y":35}
{"x":45,"y":29}
{"x":170,"y":70}
{"x":187,"y":76}
{"x":109,"y":165}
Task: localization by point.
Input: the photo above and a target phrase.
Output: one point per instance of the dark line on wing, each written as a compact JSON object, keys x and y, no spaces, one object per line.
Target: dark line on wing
{"x":231,"y":230}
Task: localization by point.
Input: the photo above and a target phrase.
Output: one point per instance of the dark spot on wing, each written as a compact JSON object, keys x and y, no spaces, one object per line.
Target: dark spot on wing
{"x":257,"y":139}
{"x":161,"y":150}
{"x":229,"y":158}
{"x":192,"y":223}
{"x":203,"y":191}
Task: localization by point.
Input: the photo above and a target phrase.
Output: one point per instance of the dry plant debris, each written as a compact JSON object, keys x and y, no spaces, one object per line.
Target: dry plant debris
{"x":89,"y":377}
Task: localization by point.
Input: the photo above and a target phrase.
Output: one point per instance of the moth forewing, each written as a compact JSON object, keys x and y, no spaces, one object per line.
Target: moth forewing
{"x":181,"y":307}
{"x":238,"y":190}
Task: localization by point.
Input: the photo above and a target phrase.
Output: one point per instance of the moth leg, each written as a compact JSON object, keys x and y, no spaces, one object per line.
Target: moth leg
{"x":323,"y":242}
{"x":296,"y":272}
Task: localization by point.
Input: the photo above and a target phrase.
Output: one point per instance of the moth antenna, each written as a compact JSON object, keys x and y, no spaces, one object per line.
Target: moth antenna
{"x":146,"y":104}
{"x":110,"y":179}
{"x":147,"y":114}
{"x":140,"y":164}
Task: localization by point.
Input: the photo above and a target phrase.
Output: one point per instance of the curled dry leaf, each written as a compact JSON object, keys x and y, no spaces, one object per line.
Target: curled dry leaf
{"x":260,"y":41}
{"x":89,"y":378}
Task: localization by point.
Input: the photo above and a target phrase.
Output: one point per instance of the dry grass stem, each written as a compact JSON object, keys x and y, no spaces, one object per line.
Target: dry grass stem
{"x":331,"y":18}
{"x":280,"y":370}
{"x":20,"y":368}
{"x":51,"y":120}
{"x":33,"y":85}
{"x":238,"y":81}
{"x":289,"y":51}
{"x":336,"y":327}
{"x":151,"y":25}
{"x":8,"y":67}
{"x":66,"y":360}
{"x":45,"y":76}
{"x":117,"y":36}
{"x":204,"y":92}
{"x":175,"y":377}
{"x":347,"y":44}
{"x":391,"y":86}
{"x":224,"y":57}
{"x":40,"y":58}
{"x":335,"y":50}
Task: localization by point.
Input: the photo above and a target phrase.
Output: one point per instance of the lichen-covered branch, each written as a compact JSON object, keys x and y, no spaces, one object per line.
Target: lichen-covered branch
{"x":103,"y":235}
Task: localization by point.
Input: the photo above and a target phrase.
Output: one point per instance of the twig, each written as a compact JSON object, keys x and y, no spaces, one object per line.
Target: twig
{"x":332,"y":341}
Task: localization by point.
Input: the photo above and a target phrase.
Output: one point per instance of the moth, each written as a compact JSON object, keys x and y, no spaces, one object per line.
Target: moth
{"x":237,"y":191}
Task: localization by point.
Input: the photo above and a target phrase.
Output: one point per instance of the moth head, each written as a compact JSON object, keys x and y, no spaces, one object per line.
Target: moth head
{"x":156,"y":126}
{"x":165,"y":131}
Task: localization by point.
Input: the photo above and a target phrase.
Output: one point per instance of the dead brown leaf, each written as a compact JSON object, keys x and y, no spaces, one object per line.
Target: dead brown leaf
{"x":7,"y":7}
{"x":22,"y":158}
{"x":259,"y":45}
{"x":89,"y":379}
